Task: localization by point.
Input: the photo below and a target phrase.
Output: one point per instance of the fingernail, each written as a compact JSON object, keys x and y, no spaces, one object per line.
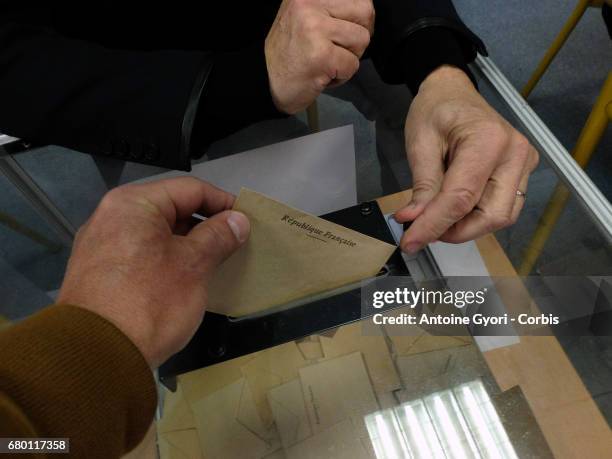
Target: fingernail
{"x":239,"y":225}
{"x":412,"y":247}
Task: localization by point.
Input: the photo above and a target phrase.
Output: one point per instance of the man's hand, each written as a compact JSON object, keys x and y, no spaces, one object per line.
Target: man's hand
{"x":467,"y":164}
{"x":312,"y":44}
{"x":143,"y":264}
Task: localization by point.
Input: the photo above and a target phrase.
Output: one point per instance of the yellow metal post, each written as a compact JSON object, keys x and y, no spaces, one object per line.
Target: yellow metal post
{"x":587,"y":142}
{"x":556,"y":46}
{"x":15,"y":225}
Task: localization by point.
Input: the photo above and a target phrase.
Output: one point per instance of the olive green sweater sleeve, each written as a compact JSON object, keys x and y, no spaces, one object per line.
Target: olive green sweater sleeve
{"x":67,"y":372}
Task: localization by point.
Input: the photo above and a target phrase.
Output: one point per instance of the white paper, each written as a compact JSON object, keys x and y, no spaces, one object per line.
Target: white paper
{"x":465,"y":260}
{"x":315,"y":173}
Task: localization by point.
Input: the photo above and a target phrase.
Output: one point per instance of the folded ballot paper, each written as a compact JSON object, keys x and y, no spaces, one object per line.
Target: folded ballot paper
{"x":290,"y":255}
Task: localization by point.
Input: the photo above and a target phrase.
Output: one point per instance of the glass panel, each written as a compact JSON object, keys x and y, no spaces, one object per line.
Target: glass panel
{"x":553,"y":236}
{"x":334,"y":396}
{"x":441,"y":415}
{"x":32,"y":257}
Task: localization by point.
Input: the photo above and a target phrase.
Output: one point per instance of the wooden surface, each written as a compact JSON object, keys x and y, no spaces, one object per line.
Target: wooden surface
{"x":569,"y":418}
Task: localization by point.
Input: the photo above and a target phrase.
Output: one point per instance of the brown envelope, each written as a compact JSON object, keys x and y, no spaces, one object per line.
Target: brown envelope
{"x":311,"y":350}
{"x":424,"y":342}
{"x":290,"y":416}
{"x":180,"y":444}
{"x":290,"y":255}
{"x":380,"y":366}
{"x":229,"y":427}
{"x":176,"y":415}
{"x":336,"y":390}
{"x":168,"y":451}
{"x":269,"y":369}
{"x":203,"y":382}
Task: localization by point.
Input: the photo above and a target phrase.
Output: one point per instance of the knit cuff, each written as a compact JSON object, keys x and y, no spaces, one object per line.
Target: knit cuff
{"x":74,"y":374}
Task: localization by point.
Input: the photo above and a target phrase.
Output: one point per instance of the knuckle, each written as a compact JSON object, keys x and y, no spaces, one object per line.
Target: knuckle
{"x":318,"y":55}
{"x":114,"y":198}
{"x":497,"y":134}
{"x":424,"y":185}
{"x":300,"y":4}
{"x":499,"y":221}
{"x":352,"y":67}
{"x":311,"y":24}
{"x":320,"y":83}
{"x":522,"y":147}
{"x":363,"y":39}
{"x":494,"y":126}
{"x":216,"y":238}
{"x":463,"y":200}
{"x":366,"y":11}
{"x":449,"y":117}
{"x":521,"y":142}
{"x":534,"y":159}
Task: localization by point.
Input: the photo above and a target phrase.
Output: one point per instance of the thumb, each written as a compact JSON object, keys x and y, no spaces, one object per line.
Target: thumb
{"x":220,"y":236}
{"x":426,"y":159}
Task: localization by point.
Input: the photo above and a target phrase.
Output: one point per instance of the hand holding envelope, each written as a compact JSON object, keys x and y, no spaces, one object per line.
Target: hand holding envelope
{"x":289,"y":255}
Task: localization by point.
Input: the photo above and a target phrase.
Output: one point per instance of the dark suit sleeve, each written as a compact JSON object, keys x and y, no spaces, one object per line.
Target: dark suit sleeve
{"x":135,"y":105}
{"x":236,"y":95}
{"x":414,"y":37}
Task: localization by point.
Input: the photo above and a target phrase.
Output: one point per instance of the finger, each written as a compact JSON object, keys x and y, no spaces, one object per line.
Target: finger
{"x":220,"y":236}
{"x":425,"y":153}
{"x":357,"y":11}
{"x":524,"y":184}
{"x":179,"y":198}
{"x":341,"y":65}
{"x":348,"y":35}
{"x":493,"y":212}
{"x":461,"y":190}
{"x":520,"y":200}
{"x":500,"y":205}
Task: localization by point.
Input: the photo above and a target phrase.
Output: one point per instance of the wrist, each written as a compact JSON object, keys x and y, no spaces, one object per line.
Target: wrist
{"x":138,"y":330}
{"x":447,"y":75}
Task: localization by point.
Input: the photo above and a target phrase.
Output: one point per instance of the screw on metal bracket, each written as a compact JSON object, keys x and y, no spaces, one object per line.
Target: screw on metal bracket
{"x":366,"y":208}
{"x":218,"y":351}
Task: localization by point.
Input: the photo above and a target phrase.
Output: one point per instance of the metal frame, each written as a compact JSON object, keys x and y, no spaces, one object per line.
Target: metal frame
{"x":575,"y":178}
{"x":41,"y":203}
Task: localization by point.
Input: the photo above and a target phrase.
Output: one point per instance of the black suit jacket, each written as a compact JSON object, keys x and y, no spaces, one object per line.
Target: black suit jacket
{"x":156,"y":82}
